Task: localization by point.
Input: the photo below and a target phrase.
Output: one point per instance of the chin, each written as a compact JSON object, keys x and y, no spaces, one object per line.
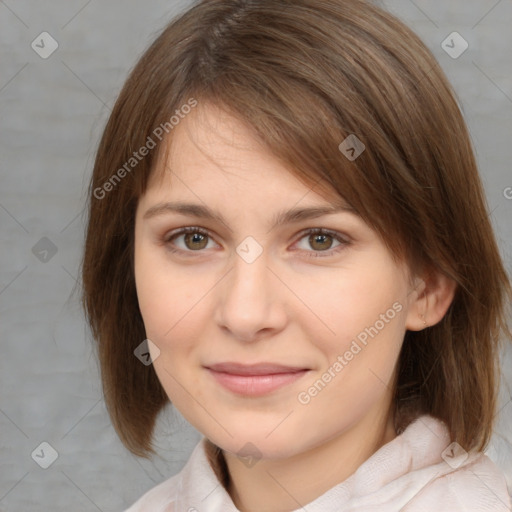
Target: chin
{"x":256,"y":441}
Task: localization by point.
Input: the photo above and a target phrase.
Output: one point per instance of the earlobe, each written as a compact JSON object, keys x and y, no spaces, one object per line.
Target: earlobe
{"x":430,"y":302}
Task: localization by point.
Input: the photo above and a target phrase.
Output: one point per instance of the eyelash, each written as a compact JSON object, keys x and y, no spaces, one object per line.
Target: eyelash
{"x":316,"y":231}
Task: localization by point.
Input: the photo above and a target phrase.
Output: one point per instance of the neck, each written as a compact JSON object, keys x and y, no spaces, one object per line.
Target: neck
{"x":284,"y":485}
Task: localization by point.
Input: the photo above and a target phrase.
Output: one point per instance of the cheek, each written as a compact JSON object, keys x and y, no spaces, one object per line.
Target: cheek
{"x":166,"y":301}
{"x":344,"y":304}
{"x":363,"y":325}
{"x":167,"y":296}
{"x":176,"y":308}
{"x":360,"y":348}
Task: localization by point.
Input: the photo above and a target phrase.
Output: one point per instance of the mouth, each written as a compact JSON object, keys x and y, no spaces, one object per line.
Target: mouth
{"x":255,"y":379}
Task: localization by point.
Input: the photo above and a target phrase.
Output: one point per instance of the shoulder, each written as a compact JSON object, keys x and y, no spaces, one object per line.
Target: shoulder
{"x":476,"y":486}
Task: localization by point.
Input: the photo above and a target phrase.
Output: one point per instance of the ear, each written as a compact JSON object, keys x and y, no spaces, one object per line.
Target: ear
{"x":429,"y":300}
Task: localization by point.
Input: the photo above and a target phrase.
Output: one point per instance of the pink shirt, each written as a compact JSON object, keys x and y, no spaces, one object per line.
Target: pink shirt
{"x":418,"y":471}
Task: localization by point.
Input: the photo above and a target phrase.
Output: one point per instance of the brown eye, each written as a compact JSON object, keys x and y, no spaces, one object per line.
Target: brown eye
{"x":195,"y":241}
{"x":320,"y":242}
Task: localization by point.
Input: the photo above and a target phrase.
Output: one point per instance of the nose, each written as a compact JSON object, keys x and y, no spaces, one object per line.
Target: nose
{"x":250,"y":300}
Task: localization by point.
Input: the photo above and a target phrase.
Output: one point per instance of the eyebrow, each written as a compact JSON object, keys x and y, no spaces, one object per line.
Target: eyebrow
{"x":283,"y":217}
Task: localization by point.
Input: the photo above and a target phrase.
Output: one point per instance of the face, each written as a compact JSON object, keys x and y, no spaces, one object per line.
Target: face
{"x":316,"y":303}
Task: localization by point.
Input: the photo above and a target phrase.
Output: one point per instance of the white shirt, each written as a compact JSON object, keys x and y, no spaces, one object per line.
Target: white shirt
{"x":418,"y":471}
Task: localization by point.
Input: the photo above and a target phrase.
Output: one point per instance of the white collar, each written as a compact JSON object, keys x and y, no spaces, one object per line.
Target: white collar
{"x":389,"y":480}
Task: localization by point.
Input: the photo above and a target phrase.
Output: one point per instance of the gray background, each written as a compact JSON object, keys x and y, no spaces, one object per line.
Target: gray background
{"x":52,"y":114}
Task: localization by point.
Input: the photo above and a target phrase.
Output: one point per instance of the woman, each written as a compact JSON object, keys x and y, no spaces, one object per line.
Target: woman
{"x":288,"y":240}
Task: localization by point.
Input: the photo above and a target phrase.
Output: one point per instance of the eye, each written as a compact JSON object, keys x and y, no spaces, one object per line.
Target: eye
{"x":321,"y":240}
{"x":194,"y":239}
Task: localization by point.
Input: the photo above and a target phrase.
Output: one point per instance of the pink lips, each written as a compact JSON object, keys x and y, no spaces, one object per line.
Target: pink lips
{"x":255,"y":379}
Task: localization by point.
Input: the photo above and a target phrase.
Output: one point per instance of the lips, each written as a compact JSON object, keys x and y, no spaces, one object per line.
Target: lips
{"x":255,"y":379}
{"x":254,"y":369}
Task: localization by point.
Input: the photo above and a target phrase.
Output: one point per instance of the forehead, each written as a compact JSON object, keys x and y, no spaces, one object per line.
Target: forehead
{"x":214,"y":153}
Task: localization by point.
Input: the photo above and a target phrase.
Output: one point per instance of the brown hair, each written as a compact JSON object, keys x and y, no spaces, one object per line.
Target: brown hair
{"x":304,"y":74}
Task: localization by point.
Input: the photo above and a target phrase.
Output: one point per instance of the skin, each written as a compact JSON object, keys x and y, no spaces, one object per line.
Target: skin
{"x":206,"y":305}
